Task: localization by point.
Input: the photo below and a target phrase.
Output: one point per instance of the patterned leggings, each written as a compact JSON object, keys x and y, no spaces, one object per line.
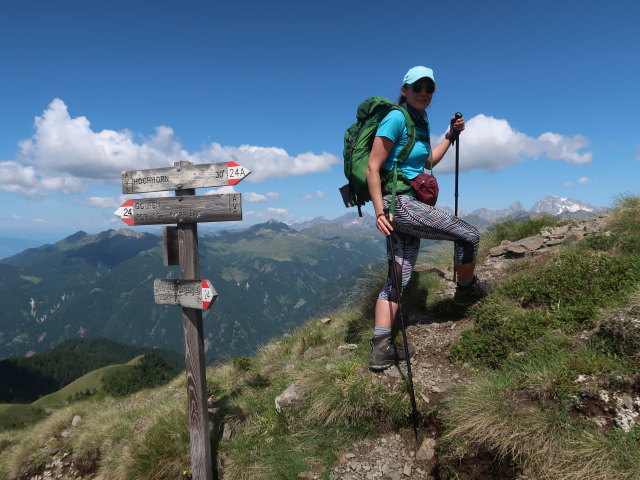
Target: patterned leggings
{"x":415,"y":220}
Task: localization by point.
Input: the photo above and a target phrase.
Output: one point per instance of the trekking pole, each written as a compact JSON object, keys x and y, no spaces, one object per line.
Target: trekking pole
{"x":456,"y":140}
{"x":412,"y":395}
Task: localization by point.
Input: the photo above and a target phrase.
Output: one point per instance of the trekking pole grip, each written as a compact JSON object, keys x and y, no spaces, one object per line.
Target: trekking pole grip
{"x":454,"y":135}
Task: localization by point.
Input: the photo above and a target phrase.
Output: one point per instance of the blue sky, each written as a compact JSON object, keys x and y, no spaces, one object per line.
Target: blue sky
{"x":549,"y":91}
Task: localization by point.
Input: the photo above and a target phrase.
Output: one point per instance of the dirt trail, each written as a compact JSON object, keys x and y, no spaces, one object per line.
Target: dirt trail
{"x":397,"y":456}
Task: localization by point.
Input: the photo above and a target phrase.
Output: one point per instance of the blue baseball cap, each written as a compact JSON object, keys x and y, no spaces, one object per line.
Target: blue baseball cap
{"x":416,"y":73}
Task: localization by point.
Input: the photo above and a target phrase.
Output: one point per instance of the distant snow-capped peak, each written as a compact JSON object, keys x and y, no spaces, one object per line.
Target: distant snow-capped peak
{"x":557,"y":205}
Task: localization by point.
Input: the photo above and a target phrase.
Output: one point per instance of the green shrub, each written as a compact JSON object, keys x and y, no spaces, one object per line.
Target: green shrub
{"x":565,"y":295}
{"x":242,"y":364}
{"x":576,"y":279}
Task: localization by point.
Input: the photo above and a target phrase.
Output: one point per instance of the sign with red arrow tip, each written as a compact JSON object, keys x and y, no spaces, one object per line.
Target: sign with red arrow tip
{"x":221,"y":207}
{"x":182,"y":177}
{"x":198,"y":294}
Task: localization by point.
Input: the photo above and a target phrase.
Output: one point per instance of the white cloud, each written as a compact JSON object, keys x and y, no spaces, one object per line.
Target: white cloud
{"x":39,"y":220}
{"x":19,"y":179}
{"x":69,"y":146}
{"x":281,"y":214}
{"x":269,"y":162}
{"x":65,"y":184}
{"x":316,"y":196}
{"x":225,"y":189}
{"x":25,"y":180}
{"x":253,"y":197}
{"x":278,"y":211}
{"x":491,"y":144}
{"x":64,"y":151}
{"x":98,"y":202}
{"x":581,"y":180}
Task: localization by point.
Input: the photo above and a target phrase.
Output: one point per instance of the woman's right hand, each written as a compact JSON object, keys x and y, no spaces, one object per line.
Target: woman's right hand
{"x":384,"y":224}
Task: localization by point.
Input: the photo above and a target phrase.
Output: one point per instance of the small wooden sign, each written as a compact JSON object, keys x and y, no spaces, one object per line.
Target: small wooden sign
{"x":180,"y":177}
{"x":185,"y":209}
{"x":198,"y":294}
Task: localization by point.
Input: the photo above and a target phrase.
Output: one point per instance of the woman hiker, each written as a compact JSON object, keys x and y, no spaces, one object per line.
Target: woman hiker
{"x":413,"y":219}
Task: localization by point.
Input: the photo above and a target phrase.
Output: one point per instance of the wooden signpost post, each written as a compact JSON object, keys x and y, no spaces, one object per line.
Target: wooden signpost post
{"x":180,"y":247}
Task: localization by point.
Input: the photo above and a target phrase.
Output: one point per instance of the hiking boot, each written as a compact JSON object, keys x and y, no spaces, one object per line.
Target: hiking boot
{"x":474,"y":292}
{"x":385,"y":353}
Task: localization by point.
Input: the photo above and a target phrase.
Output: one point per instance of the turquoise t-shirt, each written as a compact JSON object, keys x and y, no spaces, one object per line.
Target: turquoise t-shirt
{"x":393,"y":127}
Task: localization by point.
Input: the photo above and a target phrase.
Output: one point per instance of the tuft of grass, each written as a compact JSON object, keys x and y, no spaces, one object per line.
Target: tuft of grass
{"x":163,"y":451}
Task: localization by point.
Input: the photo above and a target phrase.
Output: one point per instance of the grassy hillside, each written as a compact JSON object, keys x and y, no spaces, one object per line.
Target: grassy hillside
{"x":91,"y":382}
{"x":24,"y":380}
{"x":558,"y":332}
{"x":15,"y":415}
{"x":143,"y":371}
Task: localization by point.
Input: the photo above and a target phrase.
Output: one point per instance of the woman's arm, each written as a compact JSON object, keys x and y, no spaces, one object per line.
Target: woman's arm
{"x":439,"y":150}
{"x":379,"y":153}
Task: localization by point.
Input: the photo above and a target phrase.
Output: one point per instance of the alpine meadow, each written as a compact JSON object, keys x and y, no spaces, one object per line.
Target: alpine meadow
{"x":540,"y":380}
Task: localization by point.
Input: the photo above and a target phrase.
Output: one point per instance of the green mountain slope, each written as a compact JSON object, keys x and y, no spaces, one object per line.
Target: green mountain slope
{"x":267,"y":277}
{"x":24,"y":380}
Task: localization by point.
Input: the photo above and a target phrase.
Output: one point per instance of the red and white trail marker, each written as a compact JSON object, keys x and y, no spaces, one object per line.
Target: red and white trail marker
{"x":236,"y":173}
{"x":198,"y":294}
{"x":125,"y":212}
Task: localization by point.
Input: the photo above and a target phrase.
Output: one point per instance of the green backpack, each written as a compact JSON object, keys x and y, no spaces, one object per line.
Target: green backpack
{"x":358,"y":140}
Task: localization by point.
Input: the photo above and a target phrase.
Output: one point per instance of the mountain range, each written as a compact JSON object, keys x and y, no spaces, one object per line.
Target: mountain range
{"x":101,"y":285}
{"x":551,"y":205}
{"x":271,"y":277}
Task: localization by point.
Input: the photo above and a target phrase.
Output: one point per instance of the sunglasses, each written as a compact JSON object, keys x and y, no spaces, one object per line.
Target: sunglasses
{"x":418,"y":87}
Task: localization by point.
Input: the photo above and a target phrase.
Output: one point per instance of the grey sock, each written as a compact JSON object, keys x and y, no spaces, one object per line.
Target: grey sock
{"x":377,"y":331}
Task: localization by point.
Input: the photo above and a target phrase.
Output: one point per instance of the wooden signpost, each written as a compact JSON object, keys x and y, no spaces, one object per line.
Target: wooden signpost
{"x":183,"y":176}
{"x":185,"y":293}
{"x":180,"y":247}
{"x":182,"y":209}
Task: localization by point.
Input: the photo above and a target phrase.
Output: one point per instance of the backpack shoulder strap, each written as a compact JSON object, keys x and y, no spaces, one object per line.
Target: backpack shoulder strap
{"x":411,"y":134}
{"x":404,"y":153}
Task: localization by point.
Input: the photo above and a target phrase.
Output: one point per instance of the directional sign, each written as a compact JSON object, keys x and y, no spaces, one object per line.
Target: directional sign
{"x":183,"y":176}
{"x":185,"y":209}
{"x":198,"y":294}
